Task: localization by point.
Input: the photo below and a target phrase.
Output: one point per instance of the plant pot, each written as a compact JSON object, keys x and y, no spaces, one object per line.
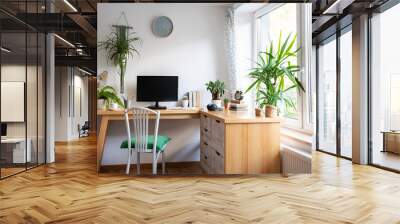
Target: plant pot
{"x":226,"y":106}
{"x":258,"y":112}
{"x":101,"y":104}
{"x":217,"y":102}
{"x":271,"y":111}
{"x":114,"y":106}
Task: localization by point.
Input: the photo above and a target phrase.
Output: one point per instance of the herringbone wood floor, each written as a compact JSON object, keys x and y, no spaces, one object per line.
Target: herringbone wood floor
{"x":70,"y":191}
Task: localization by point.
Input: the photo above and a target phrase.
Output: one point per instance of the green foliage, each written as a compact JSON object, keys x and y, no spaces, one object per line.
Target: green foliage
{"x":274,"y":75}
{"x":226,"y":100}
{"x":120,"y":46}
{"x":109,"y":94}
{"x":217,"y":89}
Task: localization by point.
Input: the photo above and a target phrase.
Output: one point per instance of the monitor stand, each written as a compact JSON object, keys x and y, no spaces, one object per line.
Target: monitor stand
{"x":157,"y":107}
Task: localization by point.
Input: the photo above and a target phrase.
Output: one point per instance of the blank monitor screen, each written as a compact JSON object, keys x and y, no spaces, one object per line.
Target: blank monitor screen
{"x":3,"y":129}
{"x":157,"y":88}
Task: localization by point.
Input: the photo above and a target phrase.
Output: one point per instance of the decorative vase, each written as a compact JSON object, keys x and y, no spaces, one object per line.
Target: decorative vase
{"x":101,"y":104}
{"x":217,"y":102}
{"x":271,"y":111}
{"x":185,"y":103}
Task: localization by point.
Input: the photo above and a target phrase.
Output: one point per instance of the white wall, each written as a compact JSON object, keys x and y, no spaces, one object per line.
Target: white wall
{"x":194,"y":51}
{"x":67,"y":81}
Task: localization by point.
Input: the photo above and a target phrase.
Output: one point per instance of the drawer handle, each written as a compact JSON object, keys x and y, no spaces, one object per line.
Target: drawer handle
{"x":218,"y":121}
{"x":205,"y":143}
{"x":205,"y":157}
{"x":218,"y":153}
{"x":205,"y":129}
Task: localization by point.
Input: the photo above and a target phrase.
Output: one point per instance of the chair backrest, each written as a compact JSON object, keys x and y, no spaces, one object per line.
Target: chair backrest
{"x":140,"y":128}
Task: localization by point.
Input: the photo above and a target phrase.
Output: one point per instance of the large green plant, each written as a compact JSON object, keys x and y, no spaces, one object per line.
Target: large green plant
{"x":120,"y":45}
{"x":217,"y":89}
{"x":274,"y":74}
{"x":109,"y":94}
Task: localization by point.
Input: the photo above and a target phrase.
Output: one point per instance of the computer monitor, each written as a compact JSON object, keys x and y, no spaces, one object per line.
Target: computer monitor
{"x":3,"y":130}
{"x":157,"y":89}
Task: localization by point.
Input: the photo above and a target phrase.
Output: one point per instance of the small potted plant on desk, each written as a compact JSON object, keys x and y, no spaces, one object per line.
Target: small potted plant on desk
{"x":107,"y":98}
{"x":226,"y":103}
{"x":217,"y":90}
{"x":275,"y":75}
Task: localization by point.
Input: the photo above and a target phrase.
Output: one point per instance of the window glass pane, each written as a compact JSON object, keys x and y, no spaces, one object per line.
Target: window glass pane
{"x":385,"y":92}
{"x":327,"y":97}
{"x":270,"y":26}
{"x":312,"y":93}
{"x":346,"y":94}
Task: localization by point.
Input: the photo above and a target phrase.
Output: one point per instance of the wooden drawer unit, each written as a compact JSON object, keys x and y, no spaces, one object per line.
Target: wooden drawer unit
{"x":205,"y":125}
{"x":218,"y":135}
{"x":239,"y":143}
{"x":212,"y":145}
{"x":205,"y":160}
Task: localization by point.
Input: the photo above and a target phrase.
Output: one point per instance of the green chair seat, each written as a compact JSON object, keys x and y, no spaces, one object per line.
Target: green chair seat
{"x":162,"y":141}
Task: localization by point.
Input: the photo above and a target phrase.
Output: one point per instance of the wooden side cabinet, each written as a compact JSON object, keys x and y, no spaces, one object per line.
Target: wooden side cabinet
{"x":232,"y":143}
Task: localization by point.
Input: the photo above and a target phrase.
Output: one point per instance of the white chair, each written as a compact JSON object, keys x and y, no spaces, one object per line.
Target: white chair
{"x":142,"y":142}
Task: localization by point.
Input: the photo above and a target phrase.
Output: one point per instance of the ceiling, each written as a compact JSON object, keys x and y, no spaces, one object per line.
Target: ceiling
{"x":75,"y":22}
{"x":329,"y":16}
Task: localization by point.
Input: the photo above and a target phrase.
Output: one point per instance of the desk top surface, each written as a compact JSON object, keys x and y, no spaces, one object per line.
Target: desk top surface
{"x":162,"y":112}
{"x":240,"y":117}
{"x":227,"y":116}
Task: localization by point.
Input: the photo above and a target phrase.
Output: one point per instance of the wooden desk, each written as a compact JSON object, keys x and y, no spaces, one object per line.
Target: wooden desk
{"x":106,"y":116}
{"x":231,"y":142}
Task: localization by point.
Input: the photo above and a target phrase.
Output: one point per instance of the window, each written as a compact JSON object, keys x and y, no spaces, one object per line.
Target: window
{"x":346,"y":93}
{"x":312,"y":93}
{"x":385,"y":89}
{"x":327,"y":96}
{"x":271,"y":22}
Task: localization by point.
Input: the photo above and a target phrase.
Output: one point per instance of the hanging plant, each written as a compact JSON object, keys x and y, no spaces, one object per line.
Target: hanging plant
{"x":120,"y":46}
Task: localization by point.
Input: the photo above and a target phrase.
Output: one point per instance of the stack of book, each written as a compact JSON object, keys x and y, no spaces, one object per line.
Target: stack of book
{"x":194,"y":98}
{"x":238,"y":105}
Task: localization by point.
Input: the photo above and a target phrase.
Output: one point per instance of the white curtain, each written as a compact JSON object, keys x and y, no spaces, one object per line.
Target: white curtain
{"x":230,"y":49}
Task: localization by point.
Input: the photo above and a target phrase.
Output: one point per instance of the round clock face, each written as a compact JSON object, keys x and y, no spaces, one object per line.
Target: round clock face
{"x":162,"y":26}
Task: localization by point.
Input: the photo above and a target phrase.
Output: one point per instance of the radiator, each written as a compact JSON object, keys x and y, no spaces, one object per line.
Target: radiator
{"x":294,"y":161}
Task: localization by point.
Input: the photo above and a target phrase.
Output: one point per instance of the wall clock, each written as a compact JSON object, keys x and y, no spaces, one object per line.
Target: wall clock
{"x":162,"y":26}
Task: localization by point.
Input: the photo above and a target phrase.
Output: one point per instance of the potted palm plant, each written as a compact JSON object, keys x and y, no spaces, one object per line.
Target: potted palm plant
{"x":217,"y":90}
{"x":107,"y":97}
{"x":274,"y":75}
{"x":120,"y":46}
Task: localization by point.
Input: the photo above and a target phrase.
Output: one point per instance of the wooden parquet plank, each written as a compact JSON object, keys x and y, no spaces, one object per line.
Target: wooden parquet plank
{"x":70,"y":191}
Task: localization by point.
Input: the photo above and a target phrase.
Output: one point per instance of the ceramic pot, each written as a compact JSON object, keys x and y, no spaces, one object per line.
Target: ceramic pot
{"x":114,"y":106}
{"x":271,"y":111}
{"x":217,"y":102}
{"x":101,"y":104}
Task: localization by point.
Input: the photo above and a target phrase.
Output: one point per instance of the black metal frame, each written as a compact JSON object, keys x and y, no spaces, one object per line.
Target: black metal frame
{"x":27,"y":28}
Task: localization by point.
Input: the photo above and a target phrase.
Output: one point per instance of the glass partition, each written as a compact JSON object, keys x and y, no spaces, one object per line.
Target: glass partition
{"x":14,"y":153}
{"x":22,"y":77}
